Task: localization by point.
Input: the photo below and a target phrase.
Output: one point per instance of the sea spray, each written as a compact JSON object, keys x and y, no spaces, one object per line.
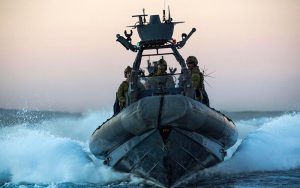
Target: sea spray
{"x":53,"y":151}
{"x":266,"y":147}
{"x":275,"y":145}
{"x":77,"y":129}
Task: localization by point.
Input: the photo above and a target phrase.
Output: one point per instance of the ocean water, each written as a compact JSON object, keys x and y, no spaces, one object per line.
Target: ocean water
{"x":50,"y":149}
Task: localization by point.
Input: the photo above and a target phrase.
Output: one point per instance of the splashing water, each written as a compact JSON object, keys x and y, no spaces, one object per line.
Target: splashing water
{"x":272,"y":144}
{"x":53,"y":151}
{"x":56,"y":150}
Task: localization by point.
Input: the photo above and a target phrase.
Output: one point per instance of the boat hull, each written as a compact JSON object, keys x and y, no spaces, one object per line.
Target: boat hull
{"x":163,"y":138}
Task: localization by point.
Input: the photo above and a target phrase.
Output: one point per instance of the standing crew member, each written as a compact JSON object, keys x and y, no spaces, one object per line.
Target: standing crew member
{"x":197,"y":80}
{"x":123,"y":88}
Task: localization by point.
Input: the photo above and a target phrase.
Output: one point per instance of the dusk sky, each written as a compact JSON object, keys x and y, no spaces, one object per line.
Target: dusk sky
{"x":63,"y":55}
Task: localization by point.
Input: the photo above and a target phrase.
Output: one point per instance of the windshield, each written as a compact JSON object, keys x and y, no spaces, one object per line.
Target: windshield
{"x":157,"y":85}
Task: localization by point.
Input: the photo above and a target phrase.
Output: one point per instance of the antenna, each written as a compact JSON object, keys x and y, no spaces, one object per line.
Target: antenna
{"x":144,"y":15}
{"x":169,"y":19}
{"x":164,"y":11}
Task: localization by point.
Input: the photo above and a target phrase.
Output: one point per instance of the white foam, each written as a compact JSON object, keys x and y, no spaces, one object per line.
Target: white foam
{"x":273,"y":146}
{"x":57,"y":150}
{"x":75,"y":128}
{"x":245,"y":127}
{"x":53,"y":151}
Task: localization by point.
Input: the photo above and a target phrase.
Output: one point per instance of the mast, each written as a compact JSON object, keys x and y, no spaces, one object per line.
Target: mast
{"x":154,"y":35}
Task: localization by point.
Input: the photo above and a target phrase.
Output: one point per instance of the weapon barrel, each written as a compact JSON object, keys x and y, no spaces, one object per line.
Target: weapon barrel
{"x":190,"y":34}
{"x":184,"y":40}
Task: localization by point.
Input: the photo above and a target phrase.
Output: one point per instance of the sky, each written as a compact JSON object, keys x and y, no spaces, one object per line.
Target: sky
{"x":63,"y":55}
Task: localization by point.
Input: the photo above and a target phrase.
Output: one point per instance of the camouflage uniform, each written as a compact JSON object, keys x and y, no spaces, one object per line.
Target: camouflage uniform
{"x":160,"y":72}
{"x":123,"y":89}
{"x":166,"y":80}
{"x":121,"y":94}
{"x":197,"y":81}
{"x":197,"y":78}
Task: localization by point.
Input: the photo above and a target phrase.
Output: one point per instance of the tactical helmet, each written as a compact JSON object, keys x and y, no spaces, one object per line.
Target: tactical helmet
{"x":128,"y":69}
{"x":162,"y":62}
{"x":192,"y":60}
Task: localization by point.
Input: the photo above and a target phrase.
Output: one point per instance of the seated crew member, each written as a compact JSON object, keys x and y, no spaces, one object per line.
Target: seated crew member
{"x":197,"y":80}
{"x":166,"y":79}
{"x":161,"y":68}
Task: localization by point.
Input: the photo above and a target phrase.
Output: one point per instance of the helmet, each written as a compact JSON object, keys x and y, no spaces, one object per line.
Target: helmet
{"x":128,"y":69}
{"x":162,"y":62}
{"x":192,"y":60}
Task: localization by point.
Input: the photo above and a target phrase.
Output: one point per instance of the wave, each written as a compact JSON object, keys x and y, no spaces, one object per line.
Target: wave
{"x":53,"y":151}
{"x":56,"y":150}
{"x":274,"y":145}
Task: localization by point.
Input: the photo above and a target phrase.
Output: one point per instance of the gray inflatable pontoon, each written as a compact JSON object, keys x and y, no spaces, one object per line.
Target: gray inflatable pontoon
{"x":163,"y":133}
{"x":163,"y":138}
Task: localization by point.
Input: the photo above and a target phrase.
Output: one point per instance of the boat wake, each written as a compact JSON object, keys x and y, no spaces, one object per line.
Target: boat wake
{"x":56,"y":151}
{"x":265,"y":144}
{"x":53,"y":151}
{"x":274,"y":145}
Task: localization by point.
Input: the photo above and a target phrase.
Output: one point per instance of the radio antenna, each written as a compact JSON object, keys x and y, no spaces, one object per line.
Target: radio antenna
{"x":169,"y":19}
{"x":164,"y":11}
